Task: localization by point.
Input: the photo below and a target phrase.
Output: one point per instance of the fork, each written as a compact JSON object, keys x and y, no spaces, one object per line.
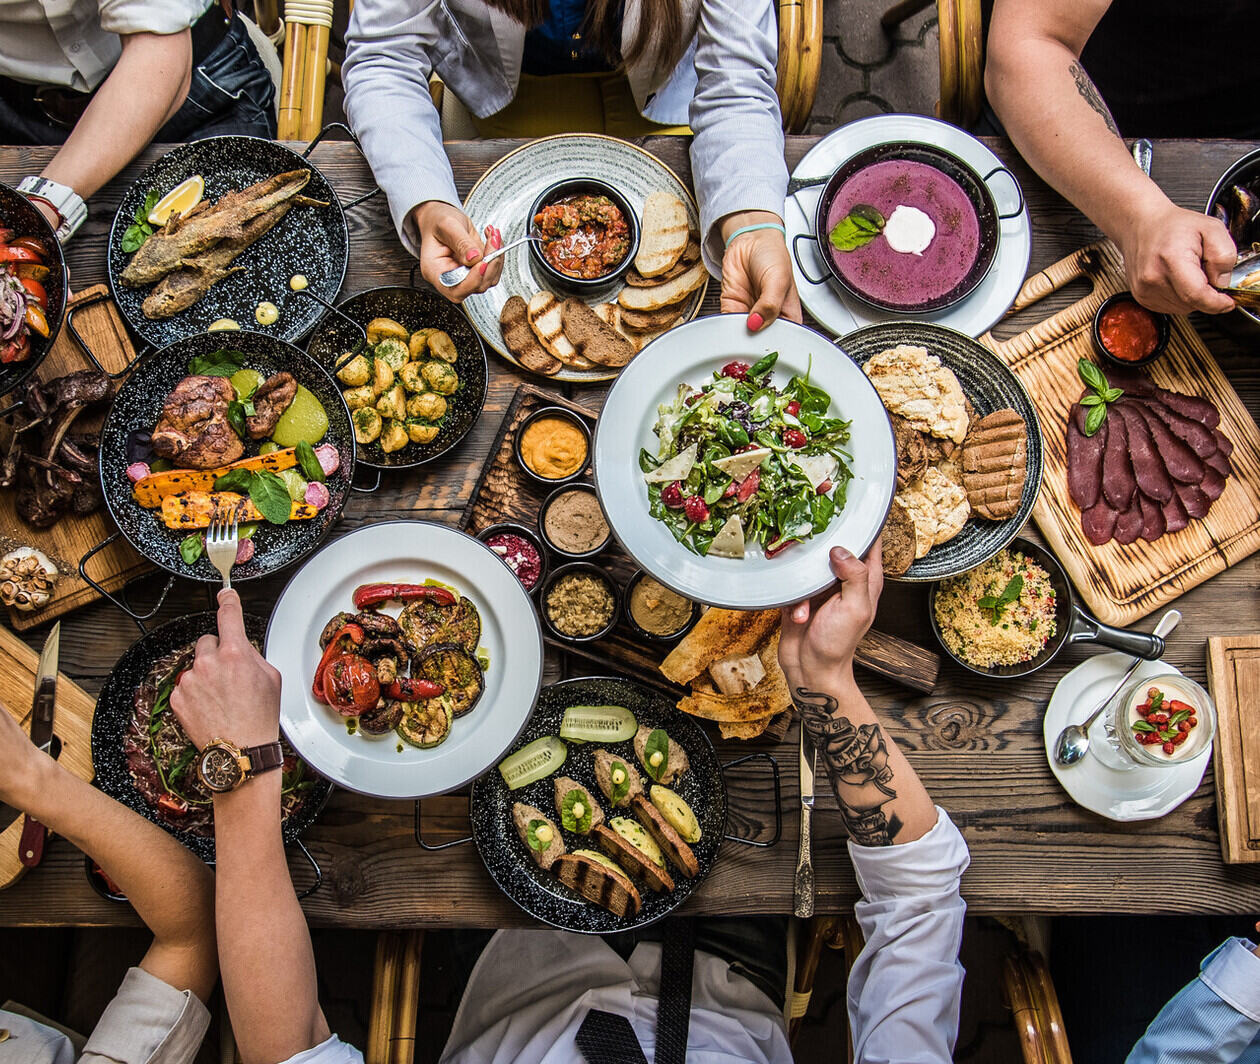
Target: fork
{"x":221,"y":540}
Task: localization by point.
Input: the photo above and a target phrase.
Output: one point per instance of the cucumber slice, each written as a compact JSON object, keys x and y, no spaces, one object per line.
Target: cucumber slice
{"x":598,"y":724}
{"x":533,"y":762}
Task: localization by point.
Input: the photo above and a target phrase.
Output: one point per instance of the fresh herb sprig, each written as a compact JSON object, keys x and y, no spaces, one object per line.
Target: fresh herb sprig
{"x":267,"y":491}
{"x":856,"y":229}
{"x":1101,"y":395}
{"x":140,"y":230}
{"x":221,"y":363}
{"x":996,"y":605}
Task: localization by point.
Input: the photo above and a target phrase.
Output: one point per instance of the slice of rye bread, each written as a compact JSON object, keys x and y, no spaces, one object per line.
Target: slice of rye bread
{"x":546,"y":319}
{"x":672,"y":845}
{"x":995,"y":464}
{"x":521,"y":341}
{"x":632,"y":859}
{"x":610,"y":314}
{"x":594,"y":338}
{"x":649,"y":320}
{"x":597,"y":883}
{"x":664,"y":233}
{"x":663,"y":295}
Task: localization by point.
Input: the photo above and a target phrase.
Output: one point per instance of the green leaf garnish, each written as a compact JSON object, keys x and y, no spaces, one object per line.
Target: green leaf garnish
{"x":858,"y":228}
{"x":237,"y":412}
{"x":237,"y":480}
{"x":619,"y":790}
{"x":1142,"y":726}
{"x":1103,"y":394}
{"x":571,"y":821}
{"x":221,"y":363}
{"x":996,"y":605}
{"x":270,"y":495}
{"x":307,"y":462}
{"x":1094,"y":419}
{"x":657,"y":743}
{"x":535,"y":843}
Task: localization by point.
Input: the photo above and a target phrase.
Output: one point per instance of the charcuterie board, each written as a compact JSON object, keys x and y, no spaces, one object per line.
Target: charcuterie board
{"x":1122,"y":583}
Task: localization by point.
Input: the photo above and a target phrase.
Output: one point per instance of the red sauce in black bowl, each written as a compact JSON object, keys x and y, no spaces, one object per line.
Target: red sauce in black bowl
{"x":585,"y":236}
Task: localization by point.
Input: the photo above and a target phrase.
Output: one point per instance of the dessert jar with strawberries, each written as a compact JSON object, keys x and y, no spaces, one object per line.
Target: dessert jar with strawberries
{"x":1162,"y":720}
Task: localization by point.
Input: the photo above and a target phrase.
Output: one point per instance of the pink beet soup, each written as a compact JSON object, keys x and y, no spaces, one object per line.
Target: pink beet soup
{"x":905,"y":280}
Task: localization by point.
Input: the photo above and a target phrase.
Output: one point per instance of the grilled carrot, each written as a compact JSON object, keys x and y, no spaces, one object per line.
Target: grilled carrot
{"x":189,"y":510}
{"x":151,"y":490}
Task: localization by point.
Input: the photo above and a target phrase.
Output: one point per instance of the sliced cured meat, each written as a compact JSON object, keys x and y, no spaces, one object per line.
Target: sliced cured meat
{"x":1084,"y":459}
{"x":1129,"y":523}
{"x":1194,"y":500}
{"x":1118,"y":483}
{"x":1175,"y":516}
{"x":1220,"y":462}
{"x":1099,"y":522}
{"x":1213,"y":484}
{"x":1223,"y":443}
{"x":1148,"y":468}
{"x":1195,"y":433}
{"x":1192,"y":406}
{"x":1177,"y":456}
{"x":1152,"y":519}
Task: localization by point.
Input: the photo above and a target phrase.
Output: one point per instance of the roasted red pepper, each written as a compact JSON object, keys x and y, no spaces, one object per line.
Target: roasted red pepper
{"x":370,"y":596}
{"x":173,"y":804}
{"x":35,"y":271}
{"x":351,"y":632}
{"x":350,"y":685}
{"x":30,"y":243}
{"x":37,"y":291}
{"x":16,"y":253}
{"x":36,"y":319}
{"x":410,"y":689}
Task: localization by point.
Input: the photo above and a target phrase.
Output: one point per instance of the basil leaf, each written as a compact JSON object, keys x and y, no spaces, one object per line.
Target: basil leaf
{"x":190,"y":548}
{"x":1093,"y":399}
{"x":1092,"y":375}
{"x":133,"y":238}
{"x":270,"y":495}
{"x":646,"y":462}
{"x":657,"y":743}
{"x":1093,"y":421}
{"x":858,"y":228}
{"x":619,"y":790}
{"x":1157,"y":702}
{"x":764,"y":365}
{"x":142,"y":212}
{"x":238,"y":480}
{"x":572,"y":822}
{"x":221,"y":363}
{"x":236,"y":413}
{"x":1112,"y":394}
{"x":531,"y":832}
{"x":308,"y":463}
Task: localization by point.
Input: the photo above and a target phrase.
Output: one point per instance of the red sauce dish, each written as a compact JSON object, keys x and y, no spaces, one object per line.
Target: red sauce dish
{"x":590,"y":234}
{"x":1127,"y":334}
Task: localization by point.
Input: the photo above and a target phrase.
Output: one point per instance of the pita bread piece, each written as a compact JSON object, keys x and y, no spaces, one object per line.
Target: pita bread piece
{"x":995,"y":464}
{"x":913,"y":383}
{"x":664,"y":236}
{"x":938,"y":507}
{"x":718,"y":634}
{"x":594,"y":338}
{"x":521,"y":341}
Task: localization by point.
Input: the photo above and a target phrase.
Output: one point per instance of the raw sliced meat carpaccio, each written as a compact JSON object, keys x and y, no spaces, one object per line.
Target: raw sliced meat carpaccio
{"x":1099,"y":522}
{"x":1084,"y":459}
{"x":1152,"y":519}
{"x":1129,"y":523}
{"x":1148,"y":467}
{"x":1194,"y":500}
{"x":1178,"y":458}
{"x":1200,"y":438}
{"x":1175,"y":516}
{"x":1118,"y":484}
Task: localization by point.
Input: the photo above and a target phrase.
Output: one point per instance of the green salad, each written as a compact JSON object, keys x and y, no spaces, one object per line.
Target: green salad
{"x":741,"y":460}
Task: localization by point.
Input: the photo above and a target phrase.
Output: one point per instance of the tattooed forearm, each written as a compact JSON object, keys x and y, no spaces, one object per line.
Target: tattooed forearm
{"x":1090,"y":94}
{"x":856,"y":758}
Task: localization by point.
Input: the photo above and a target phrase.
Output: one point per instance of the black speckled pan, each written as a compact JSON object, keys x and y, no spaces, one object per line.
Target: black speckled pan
{"x":990,"y":385}
{"x":116,"y":704}
{"x":18,"y":213}
{"x":540,"y":893}
{"x":413,"y":308}
{"x":138,"y":404}
{"x":312,"y":241}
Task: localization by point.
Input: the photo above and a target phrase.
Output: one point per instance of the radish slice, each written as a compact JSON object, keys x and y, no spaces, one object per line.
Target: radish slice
{"x":137,"y":471}
{"x":317,"y":495}
{"x":329,"y":459}
{"x":244,"y":551}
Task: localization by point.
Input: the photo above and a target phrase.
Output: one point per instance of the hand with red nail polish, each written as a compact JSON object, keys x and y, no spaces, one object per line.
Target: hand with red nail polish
{"x":757,"y":272}
{"x":449,"y":239}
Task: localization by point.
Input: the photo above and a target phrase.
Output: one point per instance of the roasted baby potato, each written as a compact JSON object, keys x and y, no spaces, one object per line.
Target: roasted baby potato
{"x":394,"y":437}
{"x":420,"y":432}
{"x":443,"y":347}
{"x":357,"y":397}
{"x":411,"y":377}
{"x":382,"y":376}
{"x":393,"y":403}
{"x":357,"y":371}
{"x":427,"y":405}
{"x":441,"y":377}
{"x":392,"y":351}
{"x":419,"y":342}
{"x":367,"y":424}
{"x":380,"y":328}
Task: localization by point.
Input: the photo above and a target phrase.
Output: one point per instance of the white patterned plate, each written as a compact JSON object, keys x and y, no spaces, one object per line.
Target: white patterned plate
{"x":842,"y":313}
{"x":1138,"y":793}
{"x":506,"y":191}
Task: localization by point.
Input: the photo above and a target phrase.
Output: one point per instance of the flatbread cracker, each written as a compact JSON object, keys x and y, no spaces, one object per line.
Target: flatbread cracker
{"x":913,"y":383}
{"x":718,"y":634}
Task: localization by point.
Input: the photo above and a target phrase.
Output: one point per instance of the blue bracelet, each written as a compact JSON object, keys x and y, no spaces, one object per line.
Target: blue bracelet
{"x":754,"y":228}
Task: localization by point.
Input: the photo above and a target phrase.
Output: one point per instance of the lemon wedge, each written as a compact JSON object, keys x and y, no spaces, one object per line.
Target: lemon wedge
{"x":181,"y":199}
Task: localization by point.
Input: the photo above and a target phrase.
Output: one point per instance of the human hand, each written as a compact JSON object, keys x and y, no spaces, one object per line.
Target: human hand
{"x":449,"y":239}
{"x":21,"y":763}
{"x":1176,"y":259}
{"x":230,"y":692}
{"x":819,"y":636}
{"x":757,"y":273}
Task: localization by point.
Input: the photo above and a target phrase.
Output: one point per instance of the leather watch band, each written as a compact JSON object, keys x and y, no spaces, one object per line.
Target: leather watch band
{"x":263,"y":758}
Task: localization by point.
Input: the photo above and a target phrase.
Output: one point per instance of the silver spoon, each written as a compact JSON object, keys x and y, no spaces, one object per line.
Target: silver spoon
{"x":453,"y":276}
{"x":1073,"y":740}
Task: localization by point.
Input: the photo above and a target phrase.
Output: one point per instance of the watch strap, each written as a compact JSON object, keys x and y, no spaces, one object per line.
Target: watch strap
{"x":63,"y":199}
{"x":263,"y":758}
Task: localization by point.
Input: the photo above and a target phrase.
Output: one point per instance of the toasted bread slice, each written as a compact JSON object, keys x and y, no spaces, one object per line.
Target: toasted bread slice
{"x":676,"y":851}
{"x":665,"y":233}
{"x":610,"y":314}
{"x":632,"y":859}
{"x":691,"y":253}
{"x":663,"y":295}
{"x":598,"y":883}
{"x":545,"y":319}
{"x":521,"y":341}
{"x":637,"y":280}
{"x":604,"y":762}
{"x":594,"y":338}
{"x":995,"y":463}
{"x":522,"y":815}
{"x":649,"y":320}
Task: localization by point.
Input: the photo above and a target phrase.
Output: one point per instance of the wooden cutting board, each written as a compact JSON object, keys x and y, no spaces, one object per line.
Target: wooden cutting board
{"x":1234,"y":679}
{"x":73,"y":726}
{"x":101,"y":326}
{"x":1124,"y":583}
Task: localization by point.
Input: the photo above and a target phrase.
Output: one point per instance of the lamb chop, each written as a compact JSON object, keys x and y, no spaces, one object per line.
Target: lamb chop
{"x":270,"y":401}
{"x":194,"y":431}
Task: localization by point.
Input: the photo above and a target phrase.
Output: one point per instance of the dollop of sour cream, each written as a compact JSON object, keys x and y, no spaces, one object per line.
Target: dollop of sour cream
{"x":908,"y":230}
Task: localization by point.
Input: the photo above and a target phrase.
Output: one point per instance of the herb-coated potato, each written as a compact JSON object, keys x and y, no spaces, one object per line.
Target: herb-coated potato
{"x":393,"y":403}
{"x":427,"y":405}
{"x":412,"y":378}
{"x":382,"y":376}
{"x":380,"y":328}
{"x":441,"y":377}
{"x":367,"y":424}
{"x":355,"y":372}
{"x":443,"y":347}
{"x":357,"y":397}
{"x":393,"y":437}
{"x":422,"y":433}
{"x":418,"y":345}
{"x":392,"y":351}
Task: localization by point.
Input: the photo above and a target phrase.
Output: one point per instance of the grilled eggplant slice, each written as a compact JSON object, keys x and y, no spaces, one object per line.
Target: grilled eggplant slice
{"x":455,"y":669}
{"x":382,"y":718}
{"x":377,"y":625}
{"x":427,"y":624}
{"x":425,"y":724}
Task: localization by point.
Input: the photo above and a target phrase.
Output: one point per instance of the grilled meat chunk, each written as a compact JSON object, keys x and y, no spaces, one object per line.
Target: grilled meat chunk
{"x":193,"y":431}
{"x":270,"y":401}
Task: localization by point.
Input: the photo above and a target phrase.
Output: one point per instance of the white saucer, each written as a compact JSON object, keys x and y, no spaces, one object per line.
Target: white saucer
{"x":842,"y":313}
{"x":1137,"y":793}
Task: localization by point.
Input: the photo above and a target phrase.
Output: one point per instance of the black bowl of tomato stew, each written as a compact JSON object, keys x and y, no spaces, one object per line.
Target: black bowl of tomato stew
{"x":1126,"y":334}
{"x":590,"y":234}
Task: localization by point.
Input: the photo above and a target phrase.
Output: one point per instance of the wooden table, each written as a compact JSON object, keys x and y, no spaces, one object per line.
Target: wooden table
{"x":976,"y":744}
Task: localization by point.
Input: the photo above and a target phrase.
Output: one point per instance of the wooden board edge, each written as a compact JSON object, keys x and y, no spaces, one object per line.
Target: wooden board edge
{"x":1230,"y":814}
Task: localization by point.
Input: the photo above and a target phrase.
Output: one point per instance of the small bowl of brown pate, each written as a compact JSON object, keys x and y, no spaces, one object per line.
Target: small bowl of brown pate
{"x":579,"y":603}
{"x":656,"y":613}
{"x":571,"y":522}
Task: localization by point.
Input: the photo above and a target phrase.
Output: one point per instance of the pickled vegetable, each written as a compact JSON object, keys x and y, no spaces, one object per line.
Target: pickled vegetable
{"x":533,"y":762}
{"x":305,"y":419}
{"x":596,"y":724}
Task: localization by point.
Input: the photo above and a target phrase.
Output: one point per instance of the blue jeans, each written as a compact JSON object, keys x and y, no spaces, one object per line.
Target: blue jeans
{"x":230,"y":92}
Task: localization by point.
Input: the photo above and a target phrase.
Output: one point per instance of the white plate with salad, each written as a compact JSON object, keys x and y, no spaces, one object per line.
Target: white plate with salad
{"x":729,"y":463}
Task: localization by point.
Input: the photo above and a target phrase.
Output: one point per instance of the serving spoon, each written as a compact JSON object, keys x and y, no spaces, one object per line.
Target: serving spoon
{"x":453,"y":276}
{"x":1073,"y":740}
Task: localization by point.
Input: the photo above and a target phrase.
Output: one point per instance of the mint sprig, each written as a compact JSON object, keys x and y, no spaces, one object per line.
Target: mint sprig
{"x":140,"y":230}
{"x":858,"y":228}
{"x":995,"y":605}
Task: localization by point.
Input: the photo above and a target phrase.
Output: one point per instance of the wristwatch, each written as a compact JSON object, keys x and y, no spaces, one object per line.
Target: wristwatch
{"x":69,"y":205}
{"x":223,"y":766}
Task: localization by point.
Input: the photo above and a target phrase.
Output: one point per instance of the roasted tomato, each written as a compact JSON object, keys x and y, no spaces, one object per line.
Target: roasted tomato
{"x":37,"y":291}
{"x":350,"y":685}
{"x":173,"y":804}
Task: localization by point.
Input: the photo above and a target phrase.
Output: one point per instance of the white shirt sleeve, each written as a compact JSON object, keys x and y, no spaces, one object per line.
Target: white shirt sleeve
{"x":150,"y":16}
{"x":906,"y":985}
{"x":332,"y":1051}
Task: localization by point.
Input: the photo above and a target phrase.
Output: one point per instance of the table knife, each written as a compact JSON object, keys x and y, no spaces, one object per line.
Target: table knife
{"x":43,"y":710}
{"x":803,"y":886}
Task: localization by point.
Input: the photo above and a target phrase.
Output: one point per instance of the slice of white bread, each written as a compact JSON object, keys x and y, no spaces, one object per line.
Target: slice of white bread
{"x":665,"y":234}
{"x":663,"y":295}
{"x":545,"y":318}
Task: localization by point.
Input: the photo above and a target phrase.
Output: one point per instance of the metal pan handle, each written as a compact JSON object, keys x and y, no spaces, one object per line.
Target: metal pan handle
{"x":1019,"y":190}
{"x":139,"y":618}
{"x":1087,"y":629}
{"x":353,"y":140}
{"x":100,"y":297}
{"x":797,"y":183}
{"x":778,"y":798}
{"x":815,"y":281}
{"x":319,"y":872}
{"x":431,"y":847}
{"x":367,"y":491}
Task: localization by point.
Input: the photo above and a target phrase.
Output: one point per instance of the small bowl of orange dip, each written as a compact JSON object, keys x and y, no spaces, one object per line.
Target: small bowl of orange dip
{"x":1126,"y":334}
{"x":553,"y":446}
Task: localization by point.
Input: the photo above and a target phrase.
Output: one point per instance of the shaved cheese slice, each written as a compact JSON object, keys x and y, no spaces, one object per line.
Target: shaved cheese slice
{"x":677,"y":468}
{"x":738,"y":466}
{"x":816,"y":467}
{"x":729,"y":542}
